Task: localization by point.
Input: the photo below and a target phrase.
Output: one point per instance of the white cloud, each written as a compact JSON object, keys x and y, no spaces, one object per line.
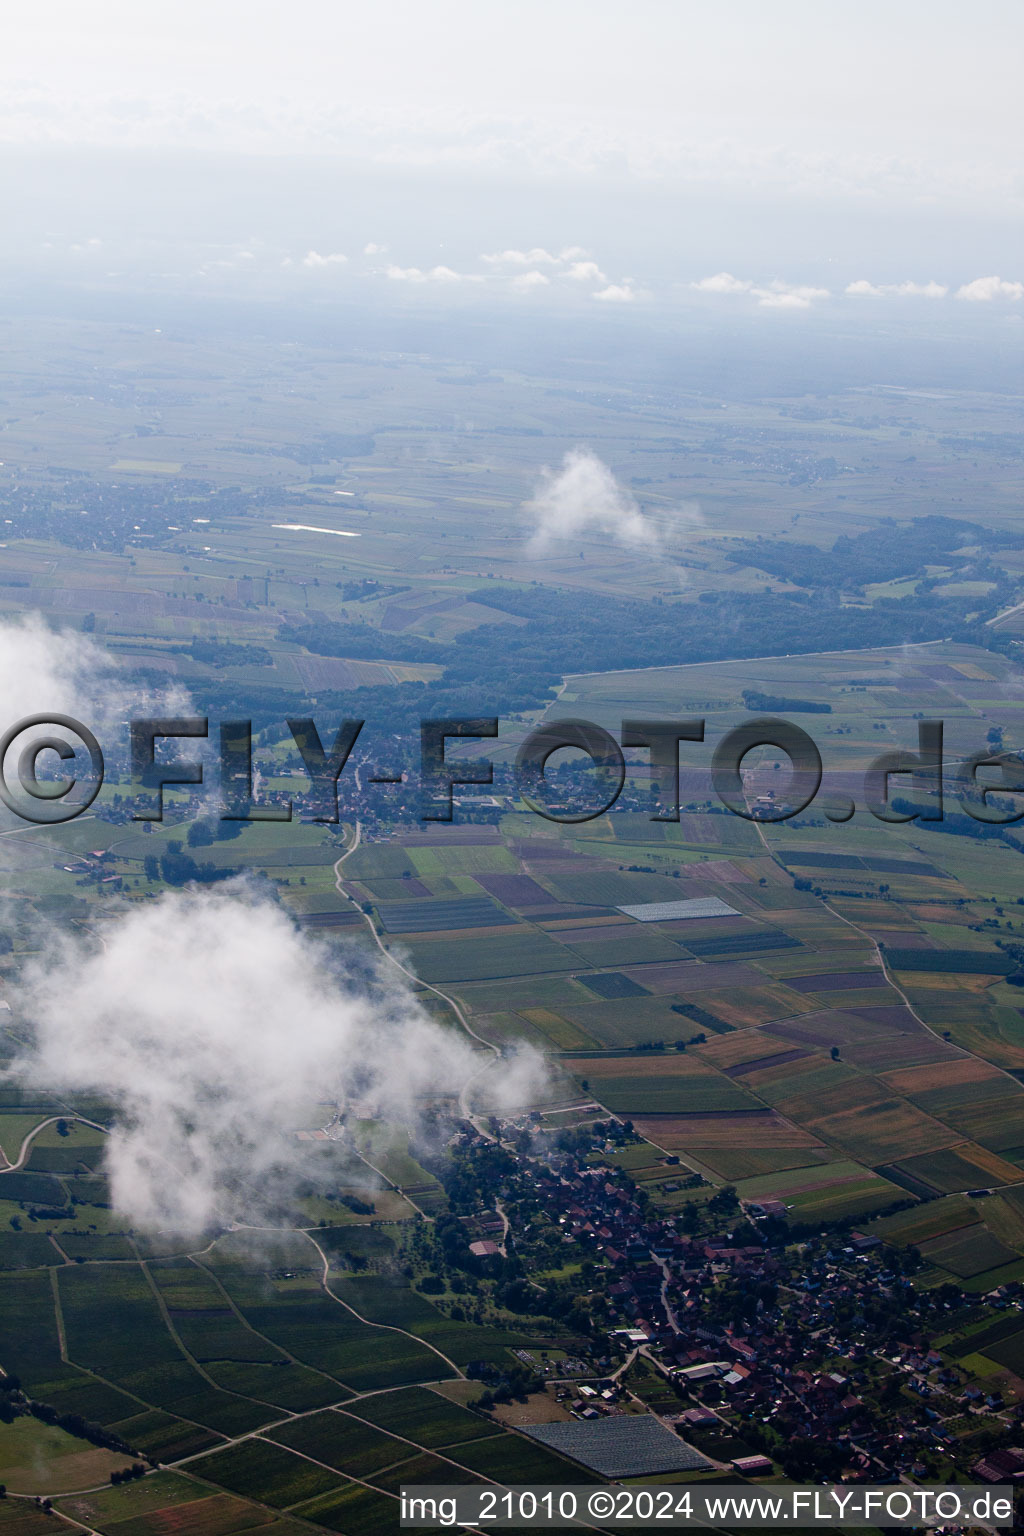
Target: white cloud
{"x":46,"y":671}
{"x":788,"y":298}
{"x":213,"y":1026}
{"x":617,"y":293}
{"x":314,"y":259}
{"x":527,"y":281}
{"x":586,"y":272}
{"x":776,"y":295}
{"x":723,"y":282}
{"x":779,"y":295}
{"x":434,"y":275}
{"x":237,"y":261}
{"x":372,"y":249}
{"x":863,"y":289}
{"x":537,"y":257}
{"x":583,"y":496}
{"x":984,"y":289}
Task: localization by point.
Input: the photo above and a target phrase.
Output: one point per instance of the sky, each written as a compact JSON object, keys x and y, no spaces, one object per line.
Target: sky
{"x":670,"y":141}
{"x":809,"y":91}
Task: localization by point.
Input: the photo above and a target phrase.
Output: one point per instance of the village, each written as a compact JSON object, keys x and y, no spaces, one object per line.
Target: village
{"x":816,"y":1357}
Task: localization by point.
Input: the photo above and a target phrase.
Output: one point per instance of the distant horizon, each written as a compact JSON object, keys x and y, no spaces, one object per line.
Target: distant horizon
{"x":334,"y":149}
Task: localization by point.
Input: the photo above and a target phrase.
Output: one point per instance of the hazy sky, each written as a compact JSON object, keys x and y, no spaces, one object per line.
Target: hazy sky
{"x":780,"y":138}
{"x":811,"y":92}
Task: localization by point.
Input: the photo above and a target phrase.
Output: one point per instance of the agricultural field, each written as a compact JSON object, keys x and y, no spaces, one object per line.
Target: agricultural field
{"x":820,"y":1015}
{"x":270,"y":1474}
{"x":781,"y":1031}
{"x":754,"y":1048}
{"x":41,"y":1458}
{"x":422,"y":1416}
{"x":138,"y":1328}
{"x":168,"y":1502}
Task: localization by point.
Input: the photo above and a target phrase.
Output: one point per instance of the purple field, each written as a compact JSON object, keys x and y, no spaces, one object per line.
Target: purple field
{"x":778,"y":1060}
{"x":685,"y":976}
{"x":515,"y":890}
{"x":838,"y":981}
{"x":895,"y":1017}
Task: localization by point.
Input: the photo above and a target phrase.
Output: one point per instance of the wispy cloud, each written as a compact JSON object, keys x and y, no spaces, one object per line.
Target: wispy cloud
{"x":315,"y":259}
{"x":431,"y":275}
{"x":526,"y":281}
{"x":572,"y":263}
{"x":52,"y":672}
{"x":783,"y":296}
{"x":581,"y":497}
{"x":863,"y":289}
{"x":774,"y":295}
{"x":61,"y":669}
{"x":537,"y":256}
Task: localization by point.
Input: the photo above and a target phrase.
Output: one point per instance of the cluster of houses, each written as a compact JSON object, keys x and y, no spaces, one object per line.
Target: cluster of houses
{"x":95,"y":868}
{"x":667,"y":1296}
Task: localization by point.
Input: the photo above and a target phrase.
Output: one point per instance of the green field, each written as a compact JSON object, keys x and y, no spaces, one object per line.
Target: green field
{"x":342,"y":1442}
{"x":266,"y":1473}
{"x":424,"y":1417}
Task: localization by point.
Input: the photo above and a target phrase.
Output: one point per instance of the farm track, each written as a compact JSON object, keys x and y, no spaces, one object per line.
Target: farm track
{"x":722,"y":661}
{"x":494,"y":1053}
{"x":34,"y":1132}
{"x":279,"y":1417}
{"x":243,"y":1322}
{"x":390,"y":1327}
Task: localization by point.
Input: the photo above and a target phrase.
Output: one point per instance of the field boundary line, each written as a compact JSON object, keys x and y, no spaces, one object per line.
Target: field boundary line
{"x":391,"y":1327}
{"x":244,"y":1322}
{"x":193,"y":1362}
{"x":880,"y":956}
{"x":495,"y":1054}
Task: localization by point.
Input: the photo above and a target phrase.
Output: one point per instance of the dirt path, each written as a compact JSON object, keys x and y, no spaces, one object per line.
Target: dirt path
{"x":34,"y":1132}
{"x":391,"y":1327}
{"x":494,"y":1053}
